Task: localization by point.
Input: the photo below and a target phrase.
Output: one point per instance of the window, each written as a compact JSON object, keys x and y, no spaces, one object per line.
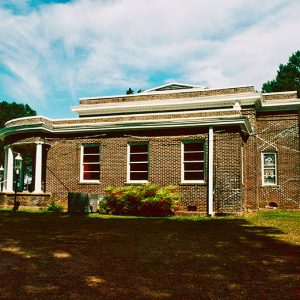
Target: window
{"x":192,"y":161}
{"x":137,"y":163}
{"x":269,"y":168}
{"x":90,"y":163}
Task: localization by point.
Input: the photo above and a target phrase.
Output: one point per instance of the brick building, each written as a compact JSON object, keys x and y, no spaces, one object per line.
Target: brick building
{"x":228,"y":149}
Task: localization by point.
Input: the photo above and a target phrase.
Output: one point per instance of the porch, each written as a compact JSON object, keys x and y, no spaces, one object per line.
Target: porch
{"x":27,"y":182}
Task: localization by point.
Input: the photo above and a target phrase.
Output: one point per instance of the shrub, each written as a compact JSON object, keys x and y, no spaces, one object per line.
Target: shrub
{"x":53,"y":206}
{"x":142,"y":200}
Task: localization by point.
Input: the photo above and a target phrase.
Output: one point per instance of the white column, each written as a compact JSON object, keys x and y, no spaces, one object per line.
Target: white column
{"x":210,"y":170}
{"x":9,"y":170}
{"x":5,"y":170}
{"x":38,"y":169}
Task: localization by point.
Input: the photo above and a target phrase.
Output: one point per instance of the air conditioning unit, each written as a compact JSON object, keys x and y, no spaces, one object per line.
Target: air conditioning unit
{"x":82,"y":202}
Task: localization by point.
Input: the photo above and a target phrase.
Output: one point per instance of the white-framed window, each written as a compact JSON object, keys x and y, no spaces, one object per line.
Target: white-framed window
{"x":192,"y":161}
{"x":138,"y":162}
{"x":269,"y":168}
{"x":90,"y":163}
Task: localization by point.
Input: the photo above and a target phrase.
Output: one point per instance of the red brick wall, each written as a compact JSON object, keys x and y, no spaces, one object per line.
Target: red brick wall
{"x":165,"y":165}
{"x":279,"y":132}
{"x":227,"y":171}
{"x":272,"y":132}
{"x":249,"y":163}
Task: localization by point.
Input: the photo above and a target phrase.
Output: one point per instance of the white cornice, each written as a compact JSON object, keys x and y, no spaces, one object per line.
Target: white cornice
{"x":167,"y":104}
{"x":233,"y":120}
{"x":280,"y":93}
{"x":123,"y":116}
{"x":279,"y":105}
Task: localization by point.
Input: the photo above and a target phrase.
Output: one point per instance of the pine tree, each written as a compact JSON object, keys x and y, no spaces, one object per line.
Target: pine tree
{"x":288,"y":77}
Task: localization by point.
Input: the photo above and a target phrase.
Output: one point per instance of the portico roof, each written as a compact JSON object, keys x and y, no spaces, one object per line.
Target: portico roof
{"x":43,"y":124}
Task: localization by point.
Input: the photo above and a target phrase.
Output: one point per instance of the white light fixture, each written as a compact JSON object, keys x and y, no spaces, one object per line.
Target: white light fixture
{"x":18,"y":163}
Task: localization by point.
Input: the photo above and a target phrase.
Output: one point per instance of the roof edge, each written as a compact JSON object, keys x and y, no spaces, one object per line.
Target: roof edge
{"x":167,"y":92}
{"x":230,"y":120}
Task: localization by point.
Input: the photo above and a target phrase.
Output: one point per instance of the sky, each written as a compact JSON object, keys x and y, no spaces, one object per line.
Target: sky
{"x":54,"y":52}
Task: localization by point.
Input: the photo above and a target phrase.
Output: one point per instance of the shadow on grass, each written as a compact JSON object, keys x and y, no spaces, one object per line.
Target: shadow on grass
{"x":48,"y":256}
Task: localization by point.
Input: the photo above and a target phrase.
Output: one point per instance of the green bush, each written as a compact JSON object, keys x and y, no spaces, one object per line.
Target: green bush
{"x":141,"y":200}
{"x":53,"y":206}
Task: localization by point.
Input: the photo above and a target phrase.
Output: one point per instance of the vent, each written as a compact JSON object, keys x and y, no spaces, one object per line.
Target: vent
{"x":192,"y":208}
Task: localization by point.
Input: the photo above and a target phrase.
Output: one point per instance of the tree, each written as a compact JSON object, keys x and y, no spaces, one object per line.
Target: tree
{"x":288,"y":77}
{"x":10,"y":111}
{"x":129,"y":92}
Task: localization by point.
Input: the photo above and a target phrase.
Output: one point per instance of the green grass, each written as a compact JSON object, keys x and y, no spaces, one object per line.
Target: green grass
{"x":57,"y":256}
{"x":288,"y":222}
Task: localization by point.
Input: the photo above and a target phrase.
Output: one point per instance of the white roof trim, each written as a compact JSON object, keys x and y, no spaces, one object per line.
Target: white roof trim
{"x":231,"y":120}
{"x":121,"y":116}
{"x":164,"y":105}
{"x":281,"y":100}
{"x":280,"y":93}
{"x":273,"y":105}
{"x":176,"y":120}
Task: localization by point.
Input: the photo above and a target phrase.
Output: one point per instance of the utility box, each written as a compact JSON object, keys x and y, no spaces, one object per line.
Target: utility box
{"x":82,"y":202}
{"x":93,"y":202}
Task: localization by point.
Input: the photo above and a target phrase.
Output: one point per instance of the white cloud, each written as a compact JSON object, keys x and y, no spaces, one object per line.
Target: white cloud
{"x":253,"y":56}
{"x":87,"y":48}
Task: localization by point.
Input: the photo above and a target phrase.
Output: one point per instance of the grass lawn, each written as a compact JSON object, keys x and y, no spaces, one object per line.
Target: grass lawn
{"x":57,"y":256}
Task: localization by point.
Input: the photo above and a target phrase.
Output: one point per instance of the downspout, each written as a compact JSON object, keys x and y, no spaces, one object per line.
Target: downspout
{"x":210,"y":170}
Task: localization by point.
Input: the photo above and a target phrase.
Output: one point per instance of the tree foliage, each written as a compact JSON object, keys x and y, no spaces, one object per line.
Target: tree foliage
{"x":129,"y":92}
{"x":288,"y":77}
{"x":9,"y":111}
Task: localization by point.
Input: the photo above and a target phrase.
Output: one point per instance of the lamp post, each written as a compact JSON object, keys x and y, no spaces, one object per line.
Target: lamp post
{"x":1,"y":177}
{"x":18,"y":167}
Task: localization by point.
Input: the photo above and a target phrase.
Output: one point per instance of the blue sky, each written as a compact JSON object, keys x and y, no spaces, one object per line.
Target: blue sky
{"x":54,"y":52}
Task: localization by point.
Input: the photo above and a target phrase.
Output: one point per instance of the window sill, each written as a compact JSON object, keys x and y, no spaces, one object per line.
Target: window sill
{"x":193,"y":183}
{"x":270,"y":185}
{"x":135,"y":182}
